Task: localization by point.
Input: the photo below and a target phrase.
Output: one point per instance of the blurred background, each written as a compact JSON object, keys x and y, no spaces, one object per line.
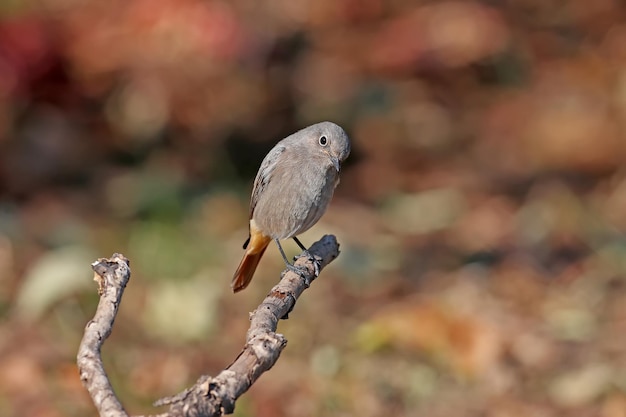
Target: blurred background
{"x":481,"y":214}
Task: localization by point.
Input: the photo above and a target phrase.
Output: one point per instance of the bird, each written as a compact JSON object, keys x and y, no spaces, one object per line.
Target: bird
{"x":292,"y":190}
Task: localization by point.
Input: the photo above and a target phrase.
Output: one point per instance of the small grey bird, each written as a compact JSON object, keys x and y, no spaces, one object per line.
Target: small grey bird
{"x":292,"y":190}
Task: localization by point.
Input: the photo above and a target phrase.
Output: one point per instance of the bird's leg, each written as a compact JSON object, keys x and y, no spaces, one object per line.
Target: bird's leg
{"x":282,"y":252}
{"x":306,"y":253}
{"x":291,"y":266}
{"x":299,"y":244}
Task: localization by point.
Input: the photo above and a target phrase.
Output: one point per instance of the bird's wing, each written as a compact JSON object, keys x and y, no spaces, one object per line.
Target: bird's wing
{"x":264,"y":176}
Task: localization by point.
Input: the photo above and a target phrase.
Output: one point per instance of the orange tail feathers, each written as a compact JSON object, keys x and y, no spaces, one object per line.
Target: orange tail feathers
{"x":254,"y":252}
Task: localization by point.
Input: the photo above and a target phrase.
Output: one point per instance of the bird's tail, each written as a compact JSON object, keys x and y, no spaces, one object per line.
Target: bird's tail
{"x":255,"y":249}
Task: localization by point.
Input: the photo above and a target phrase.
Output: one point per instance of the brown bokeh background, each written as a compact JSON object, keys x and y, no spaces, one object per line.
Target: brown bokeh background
{"x":481,"y":214}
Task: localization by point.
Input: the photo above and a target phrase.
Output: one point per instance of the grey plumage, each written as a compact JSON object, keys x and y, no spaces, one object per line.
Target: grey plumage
{"x":292,"y":190}
{"x":297,"y":179}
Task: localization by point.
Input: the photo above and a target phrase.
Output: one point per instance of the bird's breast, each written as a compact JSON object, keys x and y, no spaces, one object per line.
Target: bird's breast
{"x":294,"y":200}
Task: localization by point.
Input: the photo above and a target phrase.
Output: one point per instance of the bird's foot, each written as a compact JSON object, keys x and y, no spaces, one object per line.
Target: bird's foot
{"x":315,"y":260}
{"x":301,"y":271}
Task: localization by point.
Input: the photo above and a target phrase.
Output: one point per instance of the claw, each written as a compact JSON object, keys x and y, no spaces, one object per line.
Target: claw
{"x":302,"y":272}
{"x":315,"y":260}
{"x":316,"y":265}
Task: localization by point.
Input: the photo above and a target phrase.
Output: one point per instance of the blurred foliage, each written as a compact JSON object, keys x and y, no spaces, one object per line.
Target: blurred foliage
{"x":481,"y":214}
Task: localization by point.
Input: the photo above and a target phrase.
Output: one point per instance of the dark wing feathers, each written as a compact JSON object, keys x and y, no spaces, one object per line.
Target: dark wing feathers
{"x":264,"y":176}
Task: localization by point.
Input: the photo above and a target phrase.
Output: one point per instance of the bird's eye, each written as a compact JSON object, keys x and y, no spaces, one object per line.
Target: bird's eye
{"x":323,"y":140}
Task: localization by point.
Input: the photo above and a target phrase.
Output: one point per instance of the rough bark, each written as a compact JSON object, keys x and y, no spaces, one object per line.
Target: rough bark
{"x":210,"y":396}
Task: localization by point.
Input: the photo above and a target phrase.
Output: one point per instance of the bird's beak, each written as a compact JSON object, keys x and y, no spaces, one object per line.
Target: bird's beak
{"x":336,"y":162}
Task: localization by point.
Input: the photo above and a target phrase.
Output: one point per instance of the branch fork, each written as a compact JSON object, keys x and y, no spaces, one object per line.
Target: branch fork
{"x":209,"y":396}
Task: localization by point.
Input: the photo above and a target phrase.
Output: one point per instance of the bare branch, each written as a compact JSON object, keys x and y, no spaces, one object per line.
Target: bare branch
{"x":210,"y":396}
{"x":112,"y":275}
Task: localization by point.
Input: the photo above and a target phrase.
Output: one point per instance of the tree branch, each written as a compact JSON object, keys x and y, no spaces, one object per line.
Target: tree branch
{"x":210,"y":396}
{"x":112,"y":275}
